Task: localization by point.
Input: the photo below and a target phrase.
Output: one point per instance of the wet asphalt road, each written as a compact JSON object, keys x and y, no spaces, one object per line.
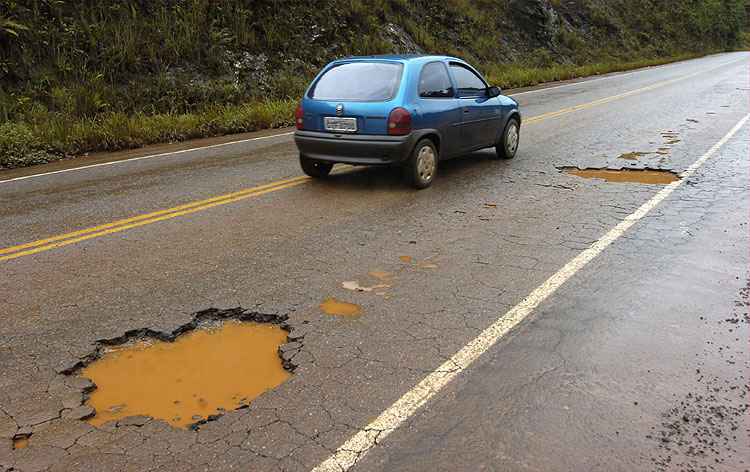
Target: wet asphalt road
{"x":638,"y":362}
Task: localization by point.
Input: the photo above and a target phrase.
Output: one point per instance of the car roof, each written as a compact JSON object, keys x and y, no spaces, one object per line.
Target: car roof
{"x":401,"y":58}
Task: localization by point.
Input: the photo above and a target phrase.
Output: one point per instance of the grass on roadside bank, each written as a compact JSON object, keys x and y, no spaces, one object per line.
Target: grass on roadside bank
{"x":513,"y":76}
{"x":53,"y":136}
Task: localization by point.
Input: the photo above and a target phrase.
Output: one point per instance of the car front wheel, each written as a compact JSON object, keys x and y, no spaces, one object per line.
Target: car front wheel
{"x":422,"y":165}
{"x":508,"y":145}
{"x":313,"y":168}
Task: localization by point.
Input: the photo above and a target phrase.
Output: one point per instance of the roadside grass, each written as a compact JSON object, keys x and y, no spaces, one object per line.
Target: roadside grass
{"x":53,"y":136}
{"x":745,"y":41}
{"x":79,"y":77}
{"x":517,"y":76}
{"x":49,"y":136}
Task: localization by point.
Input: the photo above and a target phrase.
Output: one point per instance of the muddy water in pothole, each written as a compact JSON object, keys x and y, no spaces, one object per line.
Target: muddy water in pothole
{"x":381,"y":275}
{"x":641,"y":176}
{"x":20,"y":443}
{"x":632,"y":156}
{"x":201,"y":373}
{"x":331,"y":306}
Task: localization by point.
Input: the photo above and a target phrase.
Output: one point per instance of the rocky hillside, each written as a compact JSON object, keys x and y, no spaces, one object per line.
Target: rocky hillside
{"x":104,"y":74}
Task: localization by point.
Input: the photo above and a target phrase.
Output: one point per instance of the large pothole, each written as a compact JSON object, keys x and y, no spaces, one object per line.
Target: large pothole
{"x":640,"y":176}
{"x":220,"y":361}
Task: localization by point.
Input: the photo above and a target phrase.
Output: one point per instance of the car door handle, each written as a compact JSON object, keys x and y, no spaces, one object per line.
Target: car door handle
{"x":466,"y":110}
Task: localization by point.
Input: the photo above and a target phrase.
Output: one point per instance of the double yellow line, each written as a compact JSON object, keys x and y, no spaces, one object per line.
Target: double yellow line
{"x":602,"y":101}
{"x":66,"y":239}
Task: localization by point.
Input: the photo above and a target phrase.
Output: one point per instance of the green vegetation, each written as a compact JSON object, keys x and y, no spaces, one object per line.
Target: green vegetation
{"x":95,"y":75}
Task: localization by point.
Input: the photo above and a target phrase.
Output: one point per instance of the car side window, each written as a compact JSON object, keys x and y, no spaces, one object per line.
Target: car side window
{"x":469,"y":83}
{"x":434,"y":81}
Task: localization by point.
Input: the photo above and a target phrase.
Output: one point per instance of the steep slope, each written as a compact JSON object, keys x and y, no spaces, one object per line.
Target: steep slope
{"x":91,"y":75}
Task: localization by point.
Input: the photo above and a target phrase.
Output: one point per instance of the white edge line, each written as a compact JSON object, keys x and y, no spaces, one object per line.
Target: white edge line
{"x":150,"y":156}
{"x":358,"y":445}
{"x":614,"y":75}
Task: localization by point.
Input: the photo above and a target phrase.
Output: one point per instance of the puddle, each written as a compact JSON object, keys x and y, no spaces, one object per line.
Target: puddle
{"x":201,"y":373}
{"x":419,"y":264}
{"x":641,"y":176}
{"x":383,"y":276}
{"x":20,"y":442}
{"x":632,"y":156}
{"x":331,"y":306}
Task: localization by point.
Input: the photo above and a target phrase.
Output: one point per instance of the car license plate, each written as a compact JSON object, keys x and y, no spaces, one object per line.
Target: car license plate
{"x":340,"y":125}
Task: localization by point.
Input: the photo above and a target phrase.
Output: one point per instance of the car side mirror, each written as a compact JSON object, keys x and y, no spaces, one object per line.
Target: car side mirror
{"x":493,"y":91}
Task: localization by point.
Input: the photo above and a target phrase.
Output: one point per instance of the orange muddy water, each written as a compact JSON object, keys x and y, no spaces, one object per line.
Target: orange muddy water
{"x":645,"y":176}
{"x":632,"y":156}
{"x":20,"y":442}
{"x":203,"y":372}
{"x":331,"y":306}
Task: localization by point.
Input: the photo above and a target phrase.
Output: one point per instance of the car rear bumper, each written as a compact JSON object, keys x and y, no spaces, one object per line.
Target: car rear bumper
{"x":353,"y":148}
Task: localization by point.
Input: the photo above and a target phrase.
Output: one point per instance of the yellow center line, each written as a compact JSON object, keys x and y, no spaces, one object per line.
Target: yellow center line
{"x":34,"y":247}
{"x":141,"y":220}
{"x":602,"y":101}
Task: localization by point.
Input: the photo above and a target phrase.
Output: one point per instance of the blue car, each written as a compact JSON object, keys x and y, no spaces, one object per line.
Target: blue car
{"x":406,"y":110}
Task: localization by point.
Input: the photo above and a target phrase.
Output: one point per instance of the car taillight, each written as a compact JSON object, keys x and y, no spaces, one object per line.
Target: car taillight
{"x":399,"y":122}
{"x":299,"y":117}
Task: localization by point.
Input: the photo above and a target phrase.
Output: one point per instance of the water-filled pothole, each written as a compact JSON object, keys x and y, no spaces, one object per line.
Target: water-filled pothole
{"x":334,"y":307}
{"x":20,"y":442}
{"x":219,"y":362}
{"x":641,"y":176}
{"x":633,"y":156}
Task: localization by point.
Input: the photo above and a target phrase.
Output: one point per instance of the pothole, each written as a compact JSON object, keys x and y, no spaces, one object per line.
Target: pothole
{"x":641,"y":176}
{"x":633,"y":156}
{"x":20,"y":442}
{"x":334,"y":307}
{"x":381,"y":275}
{"x":220,"y":361}
{"x":425,"y":264}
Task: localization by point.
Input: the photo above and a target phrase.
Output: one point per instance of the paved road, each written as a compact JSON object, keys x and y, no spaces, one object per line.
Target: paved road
{"x":633,"y":357}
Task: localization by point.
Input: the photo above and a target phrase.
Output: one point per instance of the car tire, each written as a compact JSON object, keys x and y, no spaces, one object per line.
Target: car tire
{"x":422,"y":165}
{"x":507,"y":147}
{"x":313,"y":168}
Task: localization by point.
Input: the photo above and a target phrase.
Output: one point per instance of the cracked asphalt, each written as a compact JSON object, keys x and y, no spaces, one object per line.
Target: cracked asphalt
{"x":639,"y":362}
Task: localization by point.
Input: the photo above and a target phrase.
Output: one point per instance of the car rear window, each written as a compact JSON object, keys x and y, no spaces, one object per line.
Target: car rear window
{"x":359,"y":81}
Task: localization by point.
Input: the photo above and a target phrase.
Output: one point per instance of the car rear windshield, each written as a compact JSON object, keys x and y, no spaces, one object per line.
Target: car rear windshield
{"x":359,"y":81}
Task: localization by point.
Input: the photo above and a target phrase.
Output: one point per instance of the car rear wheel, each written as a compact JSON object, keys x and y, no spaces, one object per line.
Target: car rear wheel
{"x":422,"y":165}
{"x":313,"y":168}
{"x":508,"y":145}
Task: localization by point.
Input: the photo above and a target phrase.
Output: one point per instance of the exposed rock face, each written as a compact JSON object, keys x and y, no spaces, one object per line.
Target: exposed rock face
{"x":537,"y":18}
{"x":401,"y":40}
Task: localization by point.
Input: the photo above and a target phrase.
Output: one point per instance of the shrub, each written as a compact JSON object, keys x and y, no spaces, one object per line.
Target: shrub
{"x":20,"y":147}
